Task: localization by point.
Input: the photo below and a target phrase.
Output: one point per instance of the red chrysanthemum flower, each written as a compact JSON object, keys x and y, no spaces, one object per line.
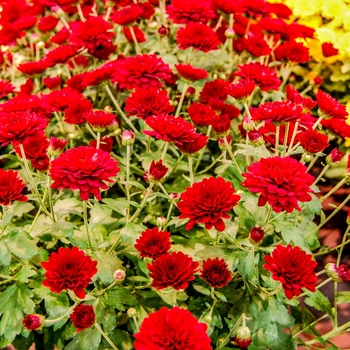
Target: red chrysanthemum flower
{"x":52,"y":83}
{"x":95,"y":34}
{"x":227,"y":6}
{"x":99,"y":119}
{"x":98,"y":76}
{"x":293,"y":268}
{"x":207,"y":202}
{"x":280,"y":10}
{"x":84,"y":168}
{"x":33,"y":322}
{"x":190,"y":148}
{"x":200,"y":114}
{"x":83,"y":317}
{"x":33,"y":68}
{"x":172,"y":330}
{"x":241,"y":25}
{"x":141,"y":71}
{"x":57,"y":145}
{"x":153,"y":243}
{"x":221,"y":124}
{"x":60,"y":55}
{"x":254,"y":44}
{"x":47,"y":23}
{"x":281,"y":182}
{"x":216,"y":273}
{"x":74,"y":114}
{"x":293,"y":52}
{"x":139,"y":34}
{"x":338,"y":126}
{"x":329,"y":107}
{"x":17,"y":126}
{"x":59,"y":100}
{"x":199,"y":36}
{"x":26,"y":88}
{"x":5,"y":88}
{"x":188,"y":11}
{"x":312,"y":141}
{"x":106,"y":144}
{"x":214,"y":93}
{"x":69,"y":269}
{"x":172,"y":270}
{"x":146,"y":102}
{"x":242,"y":90}
{"x":329,"y":50}
{"x":277,"y":112}
{"x":157,"y":171}
{"x":61,"y":36}
{"x":11,"y":186}
{"x":191,"y":73}
{"x":265,"y":77}
{"x":76,"y":82}
{"x":293,"y":95}
{"x":127,"y":15}
{"x":168,"y":128}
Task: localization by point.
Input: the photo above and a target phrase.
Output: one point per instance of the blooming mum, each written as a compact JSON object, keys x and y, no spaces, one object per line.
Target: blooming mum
{"x":214,"y":93}
{"x":61,"y":54}
{"x":86,"y":169}
{"x":216,"y":273}
{"x":242,"y":90}
{"x":293,"y":52}
{"x":141,"y":71}
{"x":75,"y":113}
{"x":191,"y":73}
{"x":293,"y":268}
{"x":281,"y":182}
{"x":254,"y":44}
{"x":11,"y":186}
{"x":99,"y":119}
{"x":6,"y":88}
{"x":190,"y":148}
{"x":69,"y":269}
{"x":139,"y":34}
{"x":201,"y":114}
{"x":127,"y":15}
{"x":168,"y":128}
{"x":293,"y":95}
{"x":207,"y":202}
{"x":153,"y":243}
{"x":172,"y":329}
{"x":199,"y":36}
{"x":145,"y":102}
{"x":312,"y":141}
{"x":157,"y":171}
{"x":172,"y":270}
{"x":329,"y":107}
{"x":83,"y":317}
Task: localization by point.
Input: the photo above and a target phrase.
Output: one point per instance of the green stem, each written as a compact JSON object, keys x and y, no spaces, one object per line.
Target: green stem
{"x":127,"y":187}
{"x":227,"y":338}
{"x":109,"y":341}
{"x":49,"y":323}
{"x":190,"y":167}
{"x":174,"y":297}
{"x":165,"y":150}
{"x":334,"y":189}
{"x":228,"y":147}
{"x":318,"y":121}
{"x":182,"y":98}
{"x":3,"y":218}
{"x":108,"y":13}
{"x":80,"y":12}
{"x":277,"y":139}
{"x":212,"y":164}
{"x":104,"y":290}
{"x":332,"y":249}
{"x":98,"y":140}
{"x":295,"y":131}
{"x":285,"y":141}
{"x":320,"y":175}
{"x":87,"y":223}
{"x":143,"y":203}
{"x":49,"y":192}
{"x":310,"y":325}
{"x":136,"y":323}
{"x":137,"y":46}
{"x":312,"y":163}
{"x":89,"y":129}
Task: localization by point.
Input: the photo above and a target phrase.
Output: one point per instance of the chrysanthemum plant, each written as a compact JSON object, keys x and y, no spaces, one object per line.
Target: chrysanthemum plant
{"x":158,"y":188}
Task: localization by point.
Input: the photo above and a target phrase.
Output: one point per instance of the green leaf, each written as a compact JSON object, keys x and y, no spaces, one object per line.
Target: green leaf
{"x":135,"y":184}
{"x":21,"y":208}
{"x":220,"y":296}
{"x":314,"y":206}
{"x":119,"y":296}
{"x":20,"y":244}
{"x":201,"y":289}
{"x":122,"y":339}
{"x":89,"y":339}
{"x":343,"y":297}
{"x":319,"y":302}
{"x":99,"y":213}
{"x":106,"y":266}
{"x":138,"y":279}
{"x":120,"y":206}
{"x":67,"y":206}
{"x":24,"y":274}
{"x":132,"y":231}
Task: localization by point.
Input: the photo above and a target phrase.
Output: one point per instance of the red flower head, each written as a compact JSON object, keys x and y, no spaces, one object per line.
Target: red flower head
{"x":172,"y":329}
{"x":59,"y":100}
{"x":281,"y":182}
{"x":76,"y":82}
{"x":83,"y":317}
{"x":293,"y":52}
{"x":242,"y":90}
{"x":338,"y":274}
{"x":153,"y":243}
{"x":47,"y":23}
{"x":265,"y":77}
{"x":201,"y":114}
{"x":11,"y":186}
{"x":99,"y":120}
{"x":99,"y":75}
{"x":334,"y":157}
{"x":85,"y":169}
{"x":214,"y":93}
{"x":61,"y":36}
{"x":17,"y":126}
{"x":329,"y":107}
{"x":52,"y":83}
{"x":69,"y":269}
{"x":61,"y":54}
{"x":141,"y":71}
{"x":157,"y":171}
{"x":27,"y":88}
{"x":199,"y":36}
{"x":33,"y":68}
{"x":338,"y":126}
{"x":254,"y":44}
{"x":216,"y":273}
{"x":106,"y":144}
{"x":188,"y":11}
{"x":280,"y":10}
{"x":5,"y":88}
{"x":207,"y":202}
{"x":75,"y":113}
{"x":312,"y":141}
{"x":190,"y":148}
{"x":221,"y":124}
{"x":172,"y":270}
{"x":227,"y":6}
{"x":57,"y":145}
{"x":139,"y":34}
{"x":95,"y":35}
{"x":166,"y":127}
{"x":293,"y":268}
{"x":127,"y":15}
{"x":277,"y":112}
{"x":329,"y":50}
{"x":34,"y":322}
{"x":293,"y":95}
{"x":146,"y":102}
{"x":191,"y":73}
{"x":256,"y":234}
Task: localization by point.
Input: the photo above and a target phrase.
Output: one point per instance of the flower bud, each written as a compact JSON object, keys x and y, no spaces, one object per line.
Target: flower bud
{"x":132,"y":312}
{"x":163,"y":30}
{"x":255,"y":138}
{"x":334,"y":157}
{"x":222,"y":144}
{"x":248,"y":124}
{"x":128,"y":138}
{"x":57,"y":145}
{"x":243,"y":337}
{"x":318,"y":81}
{"x":174,"y":195}
{"x":108,"y":109}
{"x":153,"y":25}
{"x":230,"y":33}
{"x":208,"y":318}
{"x":161,"y":221}
{"x":156,"y":171}
{"x":33,"y":321}
{"x":256,"y":234}
{"x":119,"y":275}
{"x":338,"y":274}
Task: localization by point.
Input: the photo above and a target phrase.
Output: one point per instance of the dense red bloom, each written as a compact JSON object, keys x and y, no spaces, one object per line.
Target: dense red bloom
{"x":5,"y":88}
{"x":75,"y":113}
{"x":277,"y":112}
{"x":187,"y":11}
{"x":153,"y":243}
{"x":95,"y":34}
{"x":11,"y":186}
{"x":172,"y":330}
{"x":48,"y":23}
{"x":145,"y":102}
{"x":242,"y":90}
{"x":293,"y":268}
{"x":281,"y":182}
{"x":293,"y":95}
{"x":60,"y":55}
{"x":216,"y":273}
{"x":33,"y":321}
{"x":329,"y":107}
{"x":98,"y":76}
{"x":201,"y":114}
{"x":198,"y":142}
{"x":166,"y":127}
{"x":83,"y":317}
{"x":57,"y":144}
{"x":221,"y":124}
{"x":293,"y":52}
{"x":280,"y":10}
{"x":27,"y":88}
{"x":106,"y":144}
{"x":52,"y":83}
{"x":329,"y":50}
{"x":242,"y":24}
{"x":76,"y":82}
{"x":338,"y":274}
{"x":127,"y":15}
{"x":141,"y":71}
{"x":157,"y":171}
{"x":69,"y":269}
{"x":61,"y":36}
{"x":254,"y":44}
{"x":100,"y":119}
{"x":339,"y":126}
{"x":17,"y":126}
{"x":199,"y":36}
{"x":312,"y":141}
{"x":79,"y":61}
{"x":207,"y":202}
{"x":59,"y":100}
{"x":172,"y":270}
{"x":85,"y":169}
{"x":265,"y":77}
{"x":139,"y":34}
{"x":214,"y":93}
{"x":33,"y":68}
{"x":191,"y":73}
{"x":227,"y":6}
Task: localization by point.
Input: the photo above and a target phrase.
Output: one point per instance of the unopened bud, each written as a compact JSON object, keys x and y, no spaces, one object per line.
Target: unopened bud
{"x":256,"y":234}
{"x":222,"y":144}
{"x":208,"y":318}
{"x":132,"y":312}
{"x":119,"y":275}
{"x":230,"y":33}
{"x":161,"y":221}
{"x":255,"y":138}
{"x":108,"y":109}
{"x":243,"y":337}
{"x":248,"y":124}
{"x":163,"y":30}
{"x":128,"y":138}
{"x":338,"y":274}
{"x":33,"y":321}
{"x":334,"y":157}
